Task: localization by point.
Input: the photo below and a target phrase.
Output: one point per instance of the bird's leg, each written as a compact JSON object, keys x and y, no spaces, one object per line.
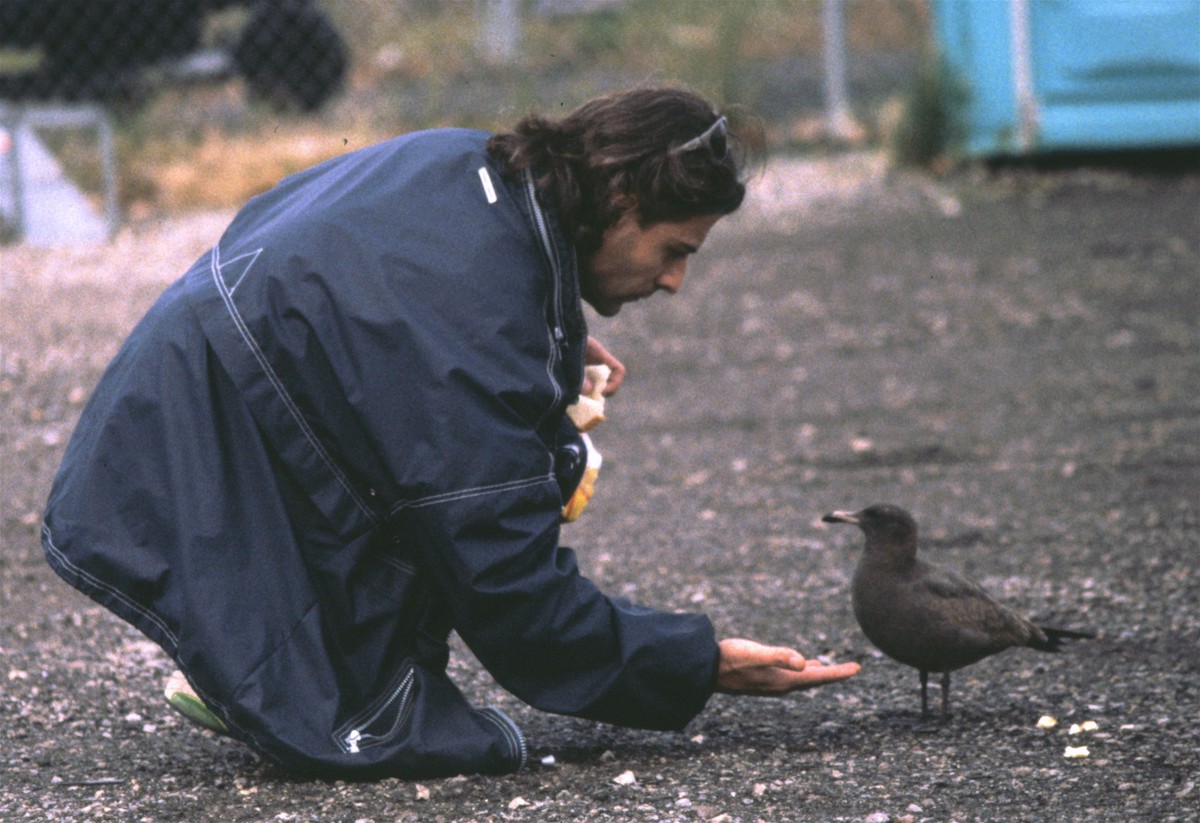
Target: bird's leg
{"x":945,"y":696}
{"x":924,"y":695}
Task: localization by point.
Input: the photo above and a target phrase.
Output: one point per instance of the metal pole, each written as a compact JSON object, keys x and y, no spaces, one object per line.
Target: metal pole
{"x":108,"y":166}
{"x":839,"y":121}
{"x":15,"y":125}
{"x":1028,"y":114}
{"x":501,"y":33}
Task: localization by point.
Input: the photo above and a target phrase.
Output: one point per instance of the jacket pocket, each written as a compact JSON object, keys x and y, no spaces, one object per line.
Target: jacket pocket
{"x":384,"y":719}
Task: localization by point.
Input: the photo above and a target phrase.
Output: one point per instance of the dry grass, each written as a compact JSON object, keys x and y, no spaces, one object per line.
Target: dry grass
{"x":418,"y":64}
{"x":223,"y":170}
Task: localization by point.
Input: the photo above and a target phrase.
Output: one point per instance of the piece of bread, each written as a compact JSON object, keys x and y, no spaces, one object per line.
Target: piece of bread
{"x":588,"y":412}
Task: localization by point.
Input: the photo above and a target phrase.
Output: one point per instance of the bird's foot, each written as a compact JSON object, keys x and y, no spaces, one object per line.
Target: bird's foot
{"x":928,"y":724}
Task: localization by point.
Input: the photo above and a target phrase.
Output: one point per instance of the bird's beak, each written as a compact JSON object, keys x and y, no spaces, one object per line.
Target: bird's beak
{"x":840,"y":517}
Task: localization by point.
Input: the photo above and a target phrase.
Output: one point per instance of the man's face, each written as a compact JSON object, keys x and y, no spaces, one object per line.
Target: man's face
{"x":635,"y":261}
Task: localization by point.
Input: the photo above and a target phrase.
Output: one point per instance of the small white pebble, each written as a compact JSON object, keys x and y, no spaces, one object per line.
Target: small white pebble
{"x":625,"y":778}
{"x":1046,"y":722}
{"x":549,"y":761}
{"x":516,"y":803}
{"x":861,"y":444}
{"x":1076,"y":751}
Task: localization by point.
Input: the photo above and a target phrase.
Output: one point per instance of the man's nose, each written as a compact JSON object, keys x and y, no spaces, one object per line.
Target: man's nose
{"x":671,"y":280}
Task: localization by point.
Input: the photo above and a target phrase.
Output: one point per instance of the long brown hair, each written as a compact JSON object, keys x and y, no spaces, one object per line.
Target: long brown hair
{"x":617,"y":149}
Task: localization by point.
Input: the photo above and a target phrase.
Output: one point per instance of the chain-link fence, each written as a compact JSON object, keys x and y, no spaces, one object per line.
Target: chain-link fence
{"x":137,"y":107}
{"x":65,"y":65}
{"x":287,"y":51}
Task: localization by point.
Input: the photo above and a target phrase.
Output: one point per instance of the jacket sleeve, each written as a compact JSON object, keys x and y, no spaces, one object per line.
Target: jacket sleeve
{"x":544,"y":631}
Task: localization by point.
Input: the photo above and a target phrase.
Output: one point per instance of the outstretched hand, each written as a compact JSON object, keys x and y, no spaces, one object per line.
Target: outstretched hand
{"x":749,"y":668}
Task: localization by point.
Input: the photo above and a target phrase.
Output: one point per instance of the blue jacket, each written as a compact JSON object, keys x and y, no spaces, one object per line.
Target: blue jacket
{"x":332,"y":442}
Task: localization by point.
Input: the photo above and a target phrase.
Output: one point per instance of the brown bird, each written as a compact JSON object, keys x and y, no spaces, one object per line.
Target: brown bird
{"x":924,"y":615}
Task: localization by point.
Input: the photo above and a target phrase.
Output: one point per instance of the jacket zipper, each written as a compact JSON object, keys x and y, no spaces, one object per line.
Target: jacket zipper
{"x":358,"y":737}
{"x":539,"y":220}
{"x":558,"y":336}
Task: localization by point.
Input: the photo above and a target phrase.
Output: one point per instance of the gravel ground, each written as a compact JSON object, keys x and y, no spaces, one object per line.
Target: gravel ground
{"x":1014,"y":356}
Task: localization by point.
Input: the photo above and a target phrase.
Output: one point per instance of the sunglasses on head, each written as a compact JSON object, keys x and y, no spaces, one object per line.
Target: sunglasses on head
{"x":715,"y":138}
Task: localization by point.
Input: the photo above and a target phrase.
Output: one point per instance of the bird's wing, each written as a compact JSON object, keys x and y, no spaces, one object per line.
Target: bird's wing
{"x":979,"y":620}
{"x":941,"y":582}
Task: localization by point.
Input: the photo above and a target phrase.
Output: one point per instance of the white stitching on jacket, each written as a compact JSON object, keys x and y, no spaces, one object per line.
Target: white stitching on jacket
{"x":253,"y":255}
{"x":277,"y":384}
{"x":462,"y":494}
{"x":92,"y":580}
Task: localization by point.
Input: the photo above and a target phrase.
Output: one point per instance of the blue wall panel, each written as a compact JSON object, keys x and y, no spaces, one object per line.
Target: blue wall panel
{"x":1046,"y":75}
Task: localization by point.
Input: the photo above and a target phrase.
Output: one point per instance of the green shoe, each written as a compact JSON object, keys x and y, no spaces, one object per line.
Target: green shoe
{"x":184,"y":700}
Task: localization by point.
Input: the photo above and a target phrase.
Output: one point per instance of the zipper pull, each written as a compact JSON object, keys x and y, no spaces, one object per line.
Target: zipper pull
{"x":558,"y":334}
{"x":352,"y":740}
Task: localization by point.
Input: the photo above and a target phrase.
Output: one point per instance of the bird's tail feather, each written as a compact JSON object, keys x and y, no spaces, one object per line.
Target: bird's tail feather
{"x":1055,"y":637}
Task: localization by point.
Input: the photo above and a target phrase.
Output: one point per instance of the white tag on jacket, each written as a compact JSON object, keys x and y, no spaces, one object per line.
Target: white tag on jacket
{"x":489,"y":190}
